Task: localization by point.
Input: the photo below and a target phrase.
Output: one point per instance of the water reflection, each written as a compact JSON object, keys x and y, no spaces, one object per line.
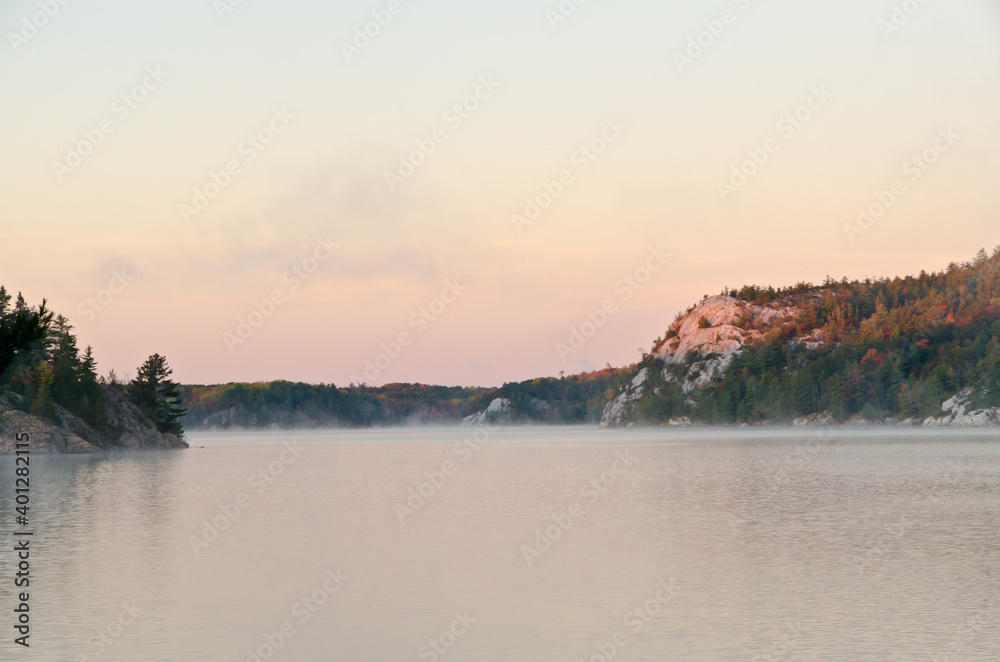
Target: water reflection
{"x":757,"y":538}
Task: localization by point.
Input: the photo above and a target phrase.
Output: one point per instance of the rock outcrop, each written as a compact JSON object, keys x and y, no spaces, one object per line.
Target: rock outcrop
{"x":957,"y":414}
{"x":618,"y":412}
{"x":45,"y":437}
{"x":127,"y":429}
{"x":706,"y":338}
{"x":720,"y":325}
{"x":819,"y":419}
{"x":716,"y":330}
{"x":497,"y":413}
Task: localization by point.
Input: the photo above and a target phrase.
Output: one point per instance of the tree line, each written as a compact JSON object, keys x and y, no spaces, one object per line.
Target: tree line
{"x":42,"y":370}
{"x":567,"y":399}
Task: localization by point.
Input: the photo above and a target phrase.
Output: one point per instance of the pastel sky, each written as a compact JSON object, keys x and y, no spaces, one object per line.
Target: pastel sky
{"x":885,"y":95}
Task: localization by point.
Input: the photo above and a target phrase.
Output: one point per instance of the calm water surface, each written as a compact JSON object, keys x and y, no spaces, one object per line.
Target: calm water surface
{"x":696,"y":546}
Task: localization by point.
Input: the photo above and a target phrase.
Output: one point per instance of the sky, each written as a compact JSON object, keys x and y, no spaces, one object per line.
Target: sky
{"x":474,"y":193}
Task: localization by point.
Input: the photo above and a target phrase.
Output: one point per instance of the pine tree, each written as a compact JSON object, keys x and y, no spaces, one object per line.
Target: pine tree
{"x":74,"y":384}
{"x":20,"y":328}
{"x":93,"y":406}
{"x":65,"y":365}
{"x":157,"y":396}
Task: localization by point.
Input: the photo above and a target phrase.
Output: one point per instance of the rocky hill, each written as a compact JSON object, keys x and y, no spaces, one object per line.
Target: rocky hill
{"x":700,"y":345}
{"x":919,"y":350}
{"x":127,"y":429}
{"x":716,"y":330}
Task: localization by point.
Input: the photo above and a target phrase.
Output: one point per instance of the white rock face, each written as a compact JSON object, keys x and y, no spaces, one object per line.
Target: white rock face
{"x":616,"y":411}
{"x":957,"y":414}
{"x":497,"y":412}
{"x":700,"y":376}
{"x":981,"y":418}
{"x":727,"y":334}
{"x":733,"y":324}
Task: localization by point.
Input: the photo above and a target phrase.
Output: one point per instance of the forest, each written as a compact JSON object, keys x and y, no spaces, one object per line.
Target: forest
{"x":44,"y":373}
{"x":572,"y":399}
{"x":892,"y":347}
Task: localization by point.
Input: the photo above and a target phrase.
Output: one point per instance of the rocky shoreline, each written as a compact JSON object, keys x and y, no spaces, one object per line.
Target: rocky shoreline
{"x":702,"y":344}
{"x":956,"y":413}
{"x":127,"y":430}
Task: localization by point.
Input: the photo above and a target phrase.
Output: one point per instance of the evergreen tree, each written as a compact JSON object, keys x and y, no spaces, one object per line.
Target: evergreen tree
{"x":157,"y":396}
{"x":93,"y":405}
{"x":20,"y":329}
{"x":42,"y":406}
{"x":74,"y":384}
{"x":65,"y":364}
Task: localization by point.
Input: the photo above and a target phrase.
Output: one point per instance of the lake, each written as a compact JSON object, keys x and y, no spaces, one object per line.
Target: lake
{"x":517,"y":544}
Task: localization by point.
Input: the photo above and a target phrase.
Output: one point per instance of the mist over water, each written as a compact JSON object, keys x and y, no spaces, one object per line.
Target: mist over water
{"x":521,"y":544}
